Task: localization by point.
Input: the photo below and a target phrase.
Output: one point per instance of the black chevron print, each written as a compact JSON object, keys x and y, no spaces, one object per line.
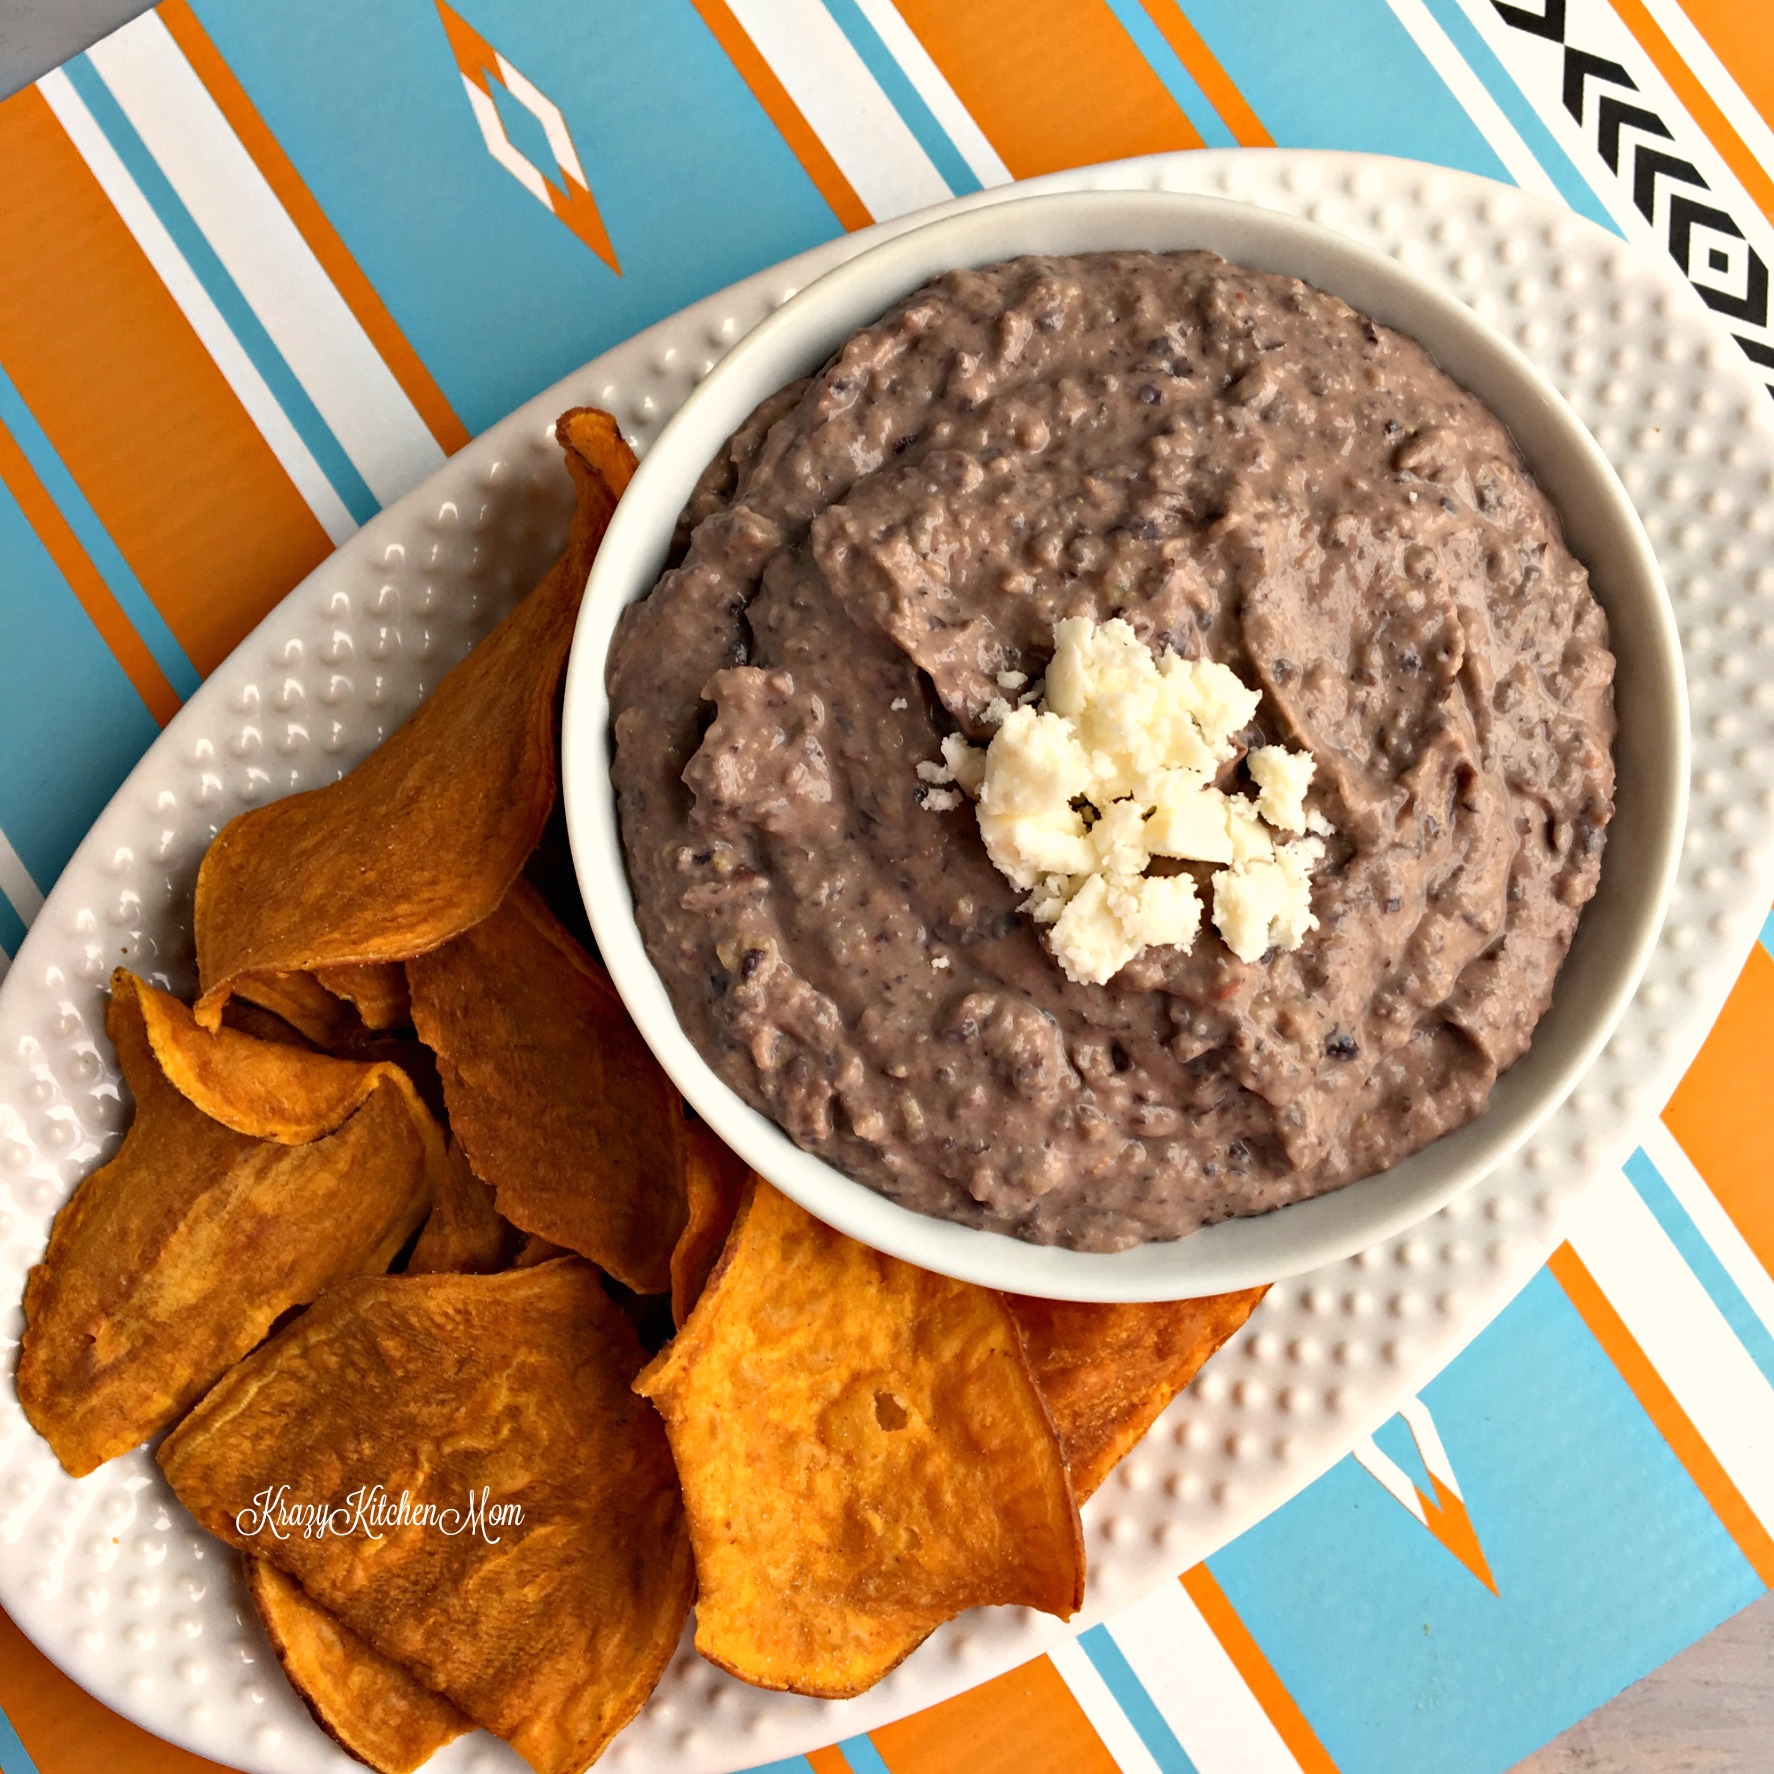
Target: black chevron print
{"x":1549,"y":24}
{"x":1653,"y":172}
{"x":1580,"y":66}
{"x":1612,"y":115}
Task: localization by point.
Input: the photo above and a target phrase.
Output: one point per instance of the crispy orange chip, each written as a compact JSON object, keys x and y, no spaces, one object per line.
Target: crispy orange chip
{"x":714,"y":1184}
{"x":494,"y":1397}
{"x":377,"y":991}
{"x":863,"y":1453}
{"x":466,"y":1234}
{"x":422,"y":839}
{"x":172,"y":1261}
{"x":536,"y":1250}
{"x":300,"y":1002}
{"x":552,"y":1093}
{"x":1107,"y":1372}
{"x":369,"y":1706}
{"x":261,"y":1088}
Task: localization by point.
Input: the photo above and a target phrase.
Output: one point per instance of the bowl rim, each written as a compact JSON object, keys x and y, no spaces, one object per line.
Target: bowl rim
{"x":800,"y":334}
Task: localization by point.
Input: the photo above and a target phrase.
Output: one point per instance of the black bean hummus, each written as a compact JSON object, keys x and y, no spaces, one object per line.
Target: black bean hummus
{"x":1247,"y":470}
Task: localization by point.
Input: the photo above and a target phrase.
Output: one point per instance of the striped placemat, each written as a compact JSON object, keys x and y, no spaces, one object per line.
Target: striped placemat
{"x":264,"y":263}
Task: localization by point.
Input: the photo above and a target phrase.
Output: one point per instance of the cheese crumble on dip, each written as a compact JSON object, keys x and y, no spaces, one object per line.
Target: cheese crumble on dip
{"x":1124,"y":744}
{"x":1116,"y":769}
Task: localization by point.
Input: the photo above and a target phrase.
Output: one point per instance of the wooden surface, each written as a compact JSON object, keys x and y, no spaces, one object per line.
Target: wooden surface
{"x":1708,"y":1711}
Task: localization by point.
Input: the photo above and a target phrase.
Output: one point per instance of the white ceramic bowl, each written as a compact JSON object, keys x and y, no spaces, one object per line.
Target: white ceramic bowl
{"x":1651,"y":755}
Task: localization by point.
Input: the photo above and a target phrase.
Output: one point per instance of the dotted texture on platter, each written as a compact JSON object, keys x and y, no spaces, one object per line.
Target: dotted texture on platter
{"x":143,"y":1609}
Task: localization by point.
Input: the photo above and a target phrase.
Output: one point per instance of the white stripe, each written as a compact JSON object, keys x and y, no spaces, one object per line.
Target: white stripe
{"x":1685,"y":1336}
{"x":5,"y":963}
{"x":1377,"y":1464}
{"x":499,"y":144}
{"x":817,"y":64}
{"x":1475,"y":99}
{"x":1711,"y":1221}
{"x":16,"y":883}
{"x":901,"y":42}
{"x":547,"y":113}
{"x":206,"y":320}
{"x":339,"y":368}
{"x":1107,"y":1720}
{"x":1428,"y":1439}
{"x":1715,"y":77}
{"x":1197,"y":1688}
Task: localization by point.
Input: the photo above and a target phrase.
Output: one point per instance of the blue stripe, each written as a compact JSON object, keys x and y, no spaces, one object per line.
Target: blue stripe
{"x":1342,"y":76}
{"x":221,"y":289}
{"x":1768,"y":933}
{"x":1139,"y":1706}
{"x":862,"y":1756}
{"x":1608,"y":1561}
{"x":903,"y":96}
{"x":793,"y":1765}
{"x":1703,"y":1260}
{"x":1178,"y":81}
{"x":1541,"y":142}
{"x":104,"y":554}
{"x":13,"y":1759}
{"x":71,"y":723}
{"x":494,"y":293}
{"x":12,"y":927}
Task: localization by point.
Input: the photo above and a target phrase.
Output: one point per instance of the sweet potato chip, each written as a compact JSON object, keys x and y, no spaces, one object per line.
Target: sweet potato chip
{"x":1107,"y":1372}
{"x":465,"y":1234}
{"x":260,"y":1088}
{"x":714,"y":1184}
{"x":370,"y":1707}
{"x":482,"y":1395}
{"x":863,"y":1454}
{"x":266,"y":1025}
{"x":377,"y":991}
{"x":422,"y":839}
{"x":172,"y":1261}
{"x":301,"y":1002}
{"x":552,"y":1093}
{"x":536,"y":1250}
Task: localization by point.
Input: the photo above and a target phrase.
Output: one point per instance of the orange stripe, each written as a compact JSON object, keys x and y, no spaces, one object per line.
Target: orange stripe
{"x":1660,"y":1405}
{"x":827,"y":1761}
{"x":1053,"y":83}
{"x":65,"y":1731}
{"x":1447,"y":1518}
{"x":1025,"y":1722}
{"x":1719,"y":1113}
{"x":1700,"y":107}
{"x":1740,"y":38}
{"x":310,"y":219}
{"x":1190,"y":48}
{"x":794,"y":128}
{"x":144,"y":421}
{"x":85,"y":581}
{"x":1259,"y":1674}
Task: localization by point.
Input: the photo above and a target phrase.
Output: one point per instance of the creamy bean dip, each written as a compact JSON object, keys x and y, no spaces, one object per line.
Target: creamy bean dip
{"x":1247,"y":471}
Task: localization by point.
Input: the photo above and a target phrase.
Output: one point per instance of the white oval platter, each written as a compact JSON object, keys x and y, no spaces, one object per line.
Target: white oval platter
{"x":124,"y":1592}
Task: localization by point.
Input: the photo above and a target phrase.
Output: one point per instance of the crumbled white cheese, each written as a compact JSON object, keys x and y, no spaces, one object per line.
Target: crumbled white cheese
{"x":898,"y":704}
{"x":1283,"y":776}
{"x":942,"y":800}
{"x":967,"y":763}
{"x":933,"y":772}
{"x":1115,"y":767}
{"x":1265,"y":903}
{"x":1012,"y":680}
